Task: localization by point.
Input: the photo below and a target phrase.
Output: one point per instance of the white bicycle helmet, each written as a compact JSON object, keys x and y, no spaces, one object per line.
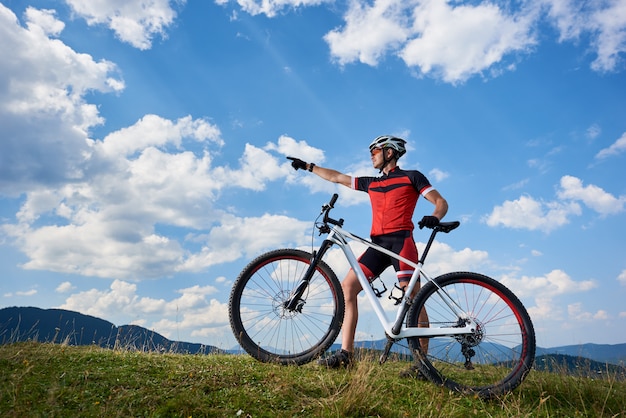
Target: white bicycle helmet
{"x":385,"y":141}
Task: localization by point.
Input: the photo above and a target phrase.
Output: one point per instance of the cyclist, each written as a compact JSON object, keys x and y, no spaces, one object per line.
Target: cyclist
{"x":393,"y":197}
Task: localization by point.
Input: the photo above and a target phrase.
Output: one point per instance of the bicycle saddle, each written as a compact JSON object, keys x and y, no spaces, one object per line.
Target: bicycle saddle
{"x":447,"y":226}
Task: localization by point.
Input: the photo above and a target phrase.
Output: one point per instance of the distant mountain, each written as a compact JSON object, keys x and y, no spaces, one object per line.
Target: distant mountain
{"x":579,"y":366}
{"x":73,"y":328}
{"x":601,"y":353}
{"x":62,"y":326}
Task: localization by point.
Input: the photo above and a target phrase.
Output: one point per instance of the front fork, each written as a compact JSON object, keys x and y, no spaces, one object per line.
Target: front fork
{"x":295,"y":301}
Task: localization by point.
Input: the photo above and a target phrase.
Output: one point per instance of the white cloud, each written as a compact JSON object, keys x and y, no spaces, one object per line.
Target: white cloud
{"x":191,"y":311}
{"x":236,"y":237}
{"x":106,"y":226}
{"x":622,"y":277}
{"x":133,"y":21}
{"x":154,"y":131}
{"x":44,"y":100}
{"x":592,"y":196}
{"x":121,"y":298}
{"x":31,"y":292}
{"x":43,"y":20}
{"x":576,"y":312}
{"x":593,"y":131}
{"x":447,"y":40}
{"x":604,"y":22}
{"x":438,"y":175}
{"x":515,"y":186}
{"x":271,"y":7}
{"x":442,"y":258}
{"x":65,"y":287}
{"x":531,"y":214}
{"x":616,"y":148}
{"x":544,"y":289}
{"x":456,"y":41}
{"x":555,"y":283}
{"x":370,"y":31}
{"x":290,"y":147}
{"x":257,"y":167}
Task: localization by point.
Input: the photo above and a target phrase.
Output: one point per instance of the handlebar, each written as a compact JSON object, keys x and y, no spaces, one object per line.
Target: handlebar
{"x":327,"y":219}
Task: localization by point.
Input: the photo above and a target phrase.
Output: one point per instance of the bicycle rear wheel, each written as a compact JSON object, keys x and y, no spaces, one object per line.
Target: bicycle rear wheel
{"x":269,"y":332}
{"x":492,"y":360}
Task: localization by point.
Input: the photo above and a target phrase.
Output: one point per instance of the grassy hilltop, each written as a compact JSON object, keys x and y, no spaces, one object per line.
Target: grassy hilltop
{"x":38,"y":379}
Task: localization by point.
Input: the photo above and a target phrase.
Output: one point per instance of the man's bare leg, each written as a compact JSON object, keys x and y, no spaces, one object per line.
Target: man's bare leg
{"x":351,"y":288}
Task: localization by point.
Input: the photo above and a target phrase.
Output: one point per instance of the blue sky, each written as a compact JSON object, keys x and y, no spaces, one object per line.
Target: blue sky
{"x":143,"y":144}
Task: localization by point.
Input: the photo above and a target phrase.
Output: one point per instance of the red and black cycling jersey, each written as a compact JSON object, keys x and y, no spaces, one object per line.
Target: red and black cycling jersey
{"x":394,"y":197}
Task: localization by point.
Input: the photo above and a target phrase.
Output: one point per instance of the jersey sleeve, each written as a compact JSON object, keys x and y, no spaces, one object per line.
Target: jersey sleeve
{"x":361,"y":183}
{"x":421,"y":183}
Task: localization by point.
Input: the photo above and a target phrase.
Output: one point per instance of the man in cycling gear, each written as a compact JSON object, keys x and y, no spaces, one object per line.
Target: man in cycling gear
{"x":393,"y":196}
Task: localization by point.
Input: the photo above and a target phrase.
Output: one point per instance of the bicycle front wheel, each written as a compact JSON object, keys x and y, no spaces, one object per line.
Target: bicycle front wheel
{"x":269,"y":332}
{"x":496,"y":357}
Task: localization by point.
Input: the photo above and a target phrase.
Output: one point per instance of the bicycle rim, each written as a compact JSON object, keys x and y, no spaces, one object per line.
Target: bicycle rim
{"x":269,"y":332}
{"x":492,"y":360}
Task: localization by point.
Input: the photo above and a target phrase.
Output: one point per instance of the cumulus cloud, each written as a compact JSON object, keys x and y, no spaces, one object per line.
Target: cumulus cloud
{"x":447,"y":40}
{"x":21,"y":293}
{"x":193,"y":311}
{"x":455,"y":40}
{"x":616,"y":148}
{"x":65,"y":287}
{"x":555,"y":283}
{"x":592,"y":196}
{"x":271,"y":8}
{"x":107,"y":226}
{"x":135,"y":22}
{"x":43,"y":112}
{"x":575,"y":311}
{"x":532,"y":214}
{"x":604,"y":22}
{"x":370,"y":31}
{"x":103,"y":207}
{"x":529,"y":213}
{"x":438,"y":175}
{"x":236,"y":237}
{"x":622,"y":277}
{"x":544,"y":289}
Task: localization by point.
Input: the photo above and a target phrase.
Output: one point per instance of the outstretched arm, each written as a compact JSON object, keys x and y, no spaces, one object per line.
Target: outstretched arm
{"x":325,"y":173}
{"x":332,"y":175}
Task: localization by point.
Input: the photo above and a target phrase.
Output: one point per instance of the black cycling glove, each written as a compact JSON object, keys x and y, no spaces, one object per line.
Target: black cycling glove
{"x":297,"y":163}
{"x":428,"y":222}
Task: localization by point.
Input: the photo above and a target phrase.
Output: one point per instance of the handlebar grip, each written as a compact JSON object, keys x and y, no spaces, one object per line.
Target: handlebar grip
{"x":333,"y":200}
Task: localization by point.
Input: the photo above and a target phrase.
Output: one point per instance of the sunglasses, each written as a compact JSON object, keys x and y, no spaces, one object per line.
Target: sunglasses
{"x":376,"y":151}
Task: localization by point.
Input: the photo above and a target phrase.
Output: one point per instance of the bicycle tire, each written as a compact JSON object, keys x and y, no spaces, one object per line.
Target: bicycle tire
{"x":501,"y":351}
{"x":269,"y":332}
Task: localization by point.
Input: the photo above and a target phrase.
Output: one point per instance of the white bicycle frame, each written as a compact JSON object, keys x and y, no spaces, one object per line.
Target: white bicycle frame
{"x":340,"y":237}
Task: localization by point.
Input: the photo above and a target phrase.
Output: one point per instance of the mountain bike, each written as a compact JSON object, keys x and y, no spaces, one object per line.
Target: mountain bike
{"x":287,"y":307}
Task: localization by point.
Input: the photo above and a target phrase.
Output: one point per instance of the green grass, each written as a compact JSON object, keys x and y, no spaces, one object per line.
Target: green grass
{"x":57,"y":380}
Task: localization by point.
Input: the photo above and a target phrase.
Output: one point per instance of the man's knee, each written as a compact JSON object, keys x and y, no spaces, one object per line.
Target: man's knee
{"x":350,"y":286}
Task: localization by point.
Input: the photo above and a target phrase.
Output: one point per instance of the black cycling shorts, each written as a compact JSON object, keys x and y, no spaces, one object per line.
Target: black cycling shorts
{"x":374,"y":262}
